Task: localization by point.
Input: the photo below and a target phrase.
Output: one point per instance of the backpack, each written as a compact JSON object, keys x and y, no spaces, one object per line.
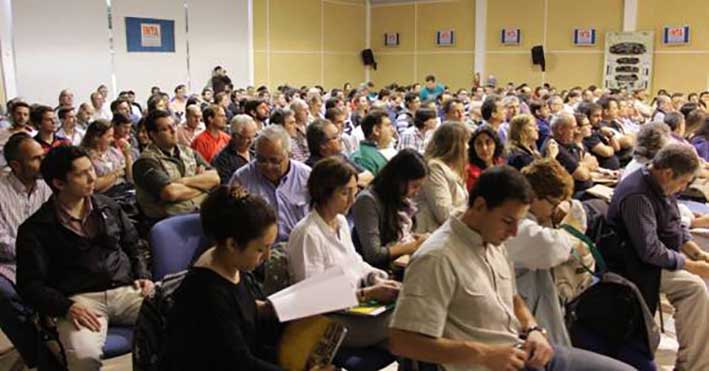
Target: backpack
{"x":150,"y":327}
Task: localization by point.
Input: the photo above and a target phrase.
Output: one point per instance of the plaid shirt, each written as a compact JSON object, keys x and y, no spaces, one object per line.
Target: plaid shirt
{"x":412,"y":137}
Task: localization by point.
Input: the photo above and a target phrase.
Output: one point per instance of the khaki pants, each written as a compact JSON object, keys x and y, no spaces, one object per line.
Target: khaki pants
{"x":687,"y":293}
{"x":83,"y":347}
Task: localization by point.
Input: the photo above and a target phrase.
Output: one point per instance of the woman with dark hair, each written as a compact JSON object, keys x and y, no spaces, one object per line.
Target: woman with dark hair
{"x":383,"y":213}
{"x":219,"y":312}
{"x":700,"y":140}
{"x":322,"y":240}
{"x":113,"y":166}
{"x":484,"y":150}
{"x":142,"y":136}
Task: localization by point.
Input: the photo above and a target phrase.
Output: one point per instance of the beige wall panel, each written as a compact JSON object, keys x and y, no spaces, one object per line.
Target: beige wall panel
{"x":458,"y":15}
{"x":295,"y":25}
{"x":398,"y":18}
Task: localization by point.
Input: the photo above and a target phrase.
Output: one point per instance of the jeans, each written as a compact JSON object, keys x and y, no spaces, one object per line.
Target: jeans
{"x":568,"y":359}
{"x":16,"y":323}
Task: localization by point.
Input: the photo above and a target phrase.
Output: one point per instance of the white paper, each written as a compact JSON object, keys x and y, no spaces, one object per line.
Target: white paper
{"x":327,"y":292}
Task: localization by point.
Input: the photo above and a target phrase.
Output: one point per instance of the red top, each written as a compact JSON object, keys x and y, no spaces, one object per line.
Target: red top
{"x":473,"y":174}
{"x":208,"y":146}
{"x":58,"y":141}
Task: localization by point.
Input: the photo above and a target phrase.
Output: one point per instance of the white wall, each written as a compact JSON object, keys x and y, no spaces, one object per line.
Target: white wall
{"x":65,"y":44}
{"x":138,"y":71}
{"x":219,"y":35}
{"x":60,"y":44}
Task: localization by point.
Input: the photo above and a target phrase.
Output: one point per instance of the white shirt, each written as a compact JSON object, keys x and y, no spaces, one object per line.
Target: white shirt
{"x":314,"y":247}
{"x":539,"y":247}
{"x":76,"y":138}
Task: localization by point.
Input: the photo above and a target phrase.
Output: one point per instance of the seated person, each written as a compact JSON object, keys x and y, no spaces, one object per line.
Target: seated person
{"x":383,"y":214}
{"x":322,"y":240}
{"x":170,"y":179}
{"x":282,"y":182}
{"x":379,"y":134}
{"x":700,"y":140}
{"x":458,"y":306}
{"x":123,"y":134}
{"x":563,"y":127}
{"x":44,"y":119}
{"x":211,"y":141}
{"x":602,"y":142}
{"x":662,"y":258}
{"x":443,"y":192}
{"x":237,"y":152}
{"x":417,"y":135}
{"x":624,"y":136}
{"x":650,"y":139}
{"x":324,"y":141}
{"x":113,"y":166}
{"x":484,"y":151}
{"x":22,"y":192}
{"x":539,"y":246}
{"x":522,"y":140}
{"x":216,"y":312}
{"x":78,"y":259}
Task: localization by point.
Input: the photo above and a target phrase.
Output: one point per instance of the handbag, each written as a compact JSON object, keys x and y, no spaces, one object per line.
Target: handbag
{"x":576,"y":275}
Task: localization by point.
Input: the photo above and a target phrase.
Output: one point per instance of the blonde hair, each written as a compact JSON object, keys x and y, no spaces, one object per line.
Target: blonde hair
{"x":449,"y":146}
{"x":517,"y":126}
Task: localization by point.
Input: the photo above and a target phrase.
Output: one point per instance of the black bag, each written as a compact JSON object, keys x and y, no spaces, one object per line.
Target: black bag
{"x":149,"y":331}
{"x":614,"y":309}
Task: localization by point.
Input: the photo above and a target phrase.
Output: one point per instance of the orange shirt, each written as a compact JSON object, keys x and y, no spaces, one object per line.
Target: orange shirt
{"x":208,"y":146}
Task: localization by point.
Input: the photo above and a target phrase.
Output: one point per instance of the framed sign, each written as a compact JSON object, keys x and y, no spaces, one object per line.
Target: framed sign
{"x":150,"y":35}
{"x":676,"y":35}
{"x":584,"y":36}
{"x":445,"y":37}
{"x":391,"y":39}
{"x":628,"y":60}
{"x":511,"y":36}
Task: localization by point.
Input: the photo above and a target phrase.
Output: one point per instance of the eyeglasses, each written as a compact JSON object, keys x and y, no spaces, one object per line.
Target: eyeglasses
{"x":554,"y":203}
{"x":273,"y":161}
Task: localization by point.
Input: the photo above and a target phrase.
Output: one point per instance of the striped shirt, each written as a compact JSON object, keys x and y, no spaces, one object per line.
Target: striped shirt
{"x":16,"y":205}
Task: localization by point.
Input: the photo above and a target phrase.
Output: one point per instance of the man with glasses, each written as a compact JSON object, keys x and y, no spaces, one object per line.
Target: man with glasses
{"x":563,"y":127}
{"x":239,"y":150}
{"x":170,"y":178}
{"x":282,"y":182}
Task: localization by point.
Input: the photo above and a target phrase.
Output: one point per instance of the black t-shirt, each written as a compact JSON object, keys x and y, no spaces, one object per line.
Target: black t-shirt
{"x":569,"y":157}
{"x":595,"y":139}
{"x":213,"y":326}
{"x":519,"y":158}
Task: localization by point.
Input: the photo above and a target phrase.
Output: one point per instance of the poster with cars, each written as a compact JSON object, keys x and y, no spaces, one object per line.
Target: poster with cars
{"x":628,"y":60}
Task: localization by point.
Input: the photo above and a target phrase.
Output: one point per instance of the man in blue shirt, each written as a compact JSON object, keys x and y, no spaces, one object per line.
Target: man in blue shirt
{"x":282,"y":182}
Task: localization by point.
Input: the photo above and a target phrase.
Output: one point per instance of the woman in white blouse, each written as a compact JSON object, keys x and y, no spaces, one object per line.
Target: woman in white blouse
{"x":443,"y":193}
{"x":322,"y":240}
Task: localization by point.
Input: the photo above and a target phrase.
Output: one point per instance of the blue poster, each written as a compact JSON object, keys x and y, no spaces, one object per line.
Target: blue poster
{"x":150,"y":35}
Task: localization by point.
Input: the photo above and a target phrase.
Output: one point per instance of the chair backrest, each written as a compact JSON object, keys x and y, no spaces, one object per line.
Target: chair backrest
{"x":175,"y":243}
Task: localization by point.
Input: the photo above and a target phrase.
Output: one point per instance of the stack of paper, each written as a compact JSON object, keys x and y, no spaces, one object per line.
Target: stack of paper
{"x":329,"y":291}
{"x":601,"y":191}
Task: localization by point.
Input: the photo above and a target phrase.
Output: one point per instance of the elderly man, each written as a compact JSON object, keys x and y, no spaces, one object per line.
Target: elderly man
{"x":66,"y":100}
{"x":170,"y":179}
{"x":660,"y":255}
{"x":493,"y":113}
{"x":282,"y":182}
{"x":84,"y":115}
{"x":239,"y":150}
{"x":563,"y":127}
{"x":192,"y":127}
{"x":300,"y":143}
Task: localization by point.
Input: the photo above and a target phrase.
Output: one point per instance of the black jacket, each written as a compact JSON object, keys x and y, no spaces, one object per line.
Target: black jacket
{"x":54,"y":263}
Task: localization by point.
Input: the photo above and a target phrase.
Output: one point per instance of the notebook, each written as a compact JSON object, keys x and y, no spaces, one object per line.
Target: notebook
{"x":309,"y":342}
{"x":372,"y":309}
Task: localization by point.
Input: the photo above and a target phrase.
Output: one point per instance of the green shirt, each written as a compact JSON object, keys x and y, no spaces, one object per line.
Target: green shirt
{"x":369,"y":157}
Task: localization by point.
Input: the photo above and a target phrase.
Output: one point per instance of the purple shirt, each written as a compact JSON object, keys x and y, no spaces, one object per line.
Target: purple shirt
{"x":289,"y":198}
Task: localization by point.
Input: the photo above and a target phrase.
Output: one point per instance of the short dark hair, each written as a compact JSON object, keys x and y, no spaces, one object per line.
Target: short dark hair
{"x":278,"y":117}
{"x":332,"y":102}
{"x":410,"y":97}
{"x":252,"y":104}
{"x":422,"y":115}
{"x":59,"y":162}
{"x":315,"y":135}
{"x":38,"y":112}
{"x":210,"y":112}
{"x":230,"y":212}
{"x":327,"y":175}
{"x":18,"y":104}
{"x":120,"y":119}
{"x":151,"y":120}
{"x":115,"y":103}
{"x":11,"y":150}
{"x":333,"y":112}
{"x":688,"y":107}
{"x":62,"y":112}
{"x":681,"y":158}
{"x":605,"y":102}
{"x":489,"y":106}
{"x":372,"y":119}
{"x":673,"y":119}
{"x":430,"y":78}
{"x":499,"y":184}
{"x":449,"y":103}
{"x":473,"y":157}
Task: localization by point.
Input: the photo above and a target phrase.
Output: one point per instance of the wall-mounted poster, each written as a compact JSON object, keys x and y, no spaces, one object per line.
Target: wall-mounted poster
{"x":628,"y":60}
{"x":676,"y":35}
{"x":585,"y":36}
{"x":391,"y":39}
{"x":511,"y":36}
{"x":150,"y":35}
{"x":445,"y":37}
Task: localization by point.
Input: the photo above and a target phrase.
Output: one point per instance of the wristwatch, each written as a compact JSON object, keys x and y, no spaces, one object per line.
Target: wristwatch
{"x":541,"y":330}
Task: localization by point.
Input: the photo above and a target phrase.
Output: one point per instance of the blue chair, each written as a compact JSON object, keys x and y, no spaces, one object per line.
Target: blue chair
{"x":363,"y":359}
{"x":175,"y":243}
